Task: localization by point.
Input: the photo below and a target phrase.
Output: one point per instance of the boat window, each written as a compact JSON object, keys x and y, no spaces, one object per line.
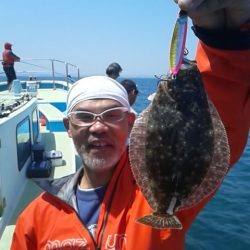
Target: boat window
{"x":35,"y":128}
{"x":23,"y":142}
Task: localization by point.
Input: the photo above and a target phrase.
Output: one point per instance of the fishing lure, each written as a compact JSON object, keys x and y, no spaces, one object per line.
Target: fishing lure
{"x":178,"y":42}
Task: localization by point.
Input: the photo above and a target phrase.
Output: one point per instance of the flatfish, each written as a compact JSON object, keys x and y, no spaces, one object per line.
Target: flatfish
{"x":178,"y":150}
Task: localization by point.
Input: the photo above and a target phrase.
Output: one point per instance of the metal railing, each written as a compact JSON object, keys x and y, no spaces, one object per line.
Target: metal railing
{"x":50,"y":67}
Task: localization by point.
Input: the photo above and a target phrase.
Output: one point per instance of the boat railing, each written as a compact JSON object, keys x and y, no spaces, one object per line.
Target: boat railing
{"x":53,"y":68}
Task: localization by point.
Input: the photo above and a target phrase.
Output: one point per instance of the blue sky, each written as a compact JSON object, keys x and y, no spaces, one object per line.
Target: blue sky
{"x":94,"y":33}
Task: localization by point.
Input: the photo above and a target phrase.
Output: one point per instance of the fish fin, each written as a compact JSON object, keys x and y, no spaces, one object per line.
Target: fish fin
{"x":161,"y":221}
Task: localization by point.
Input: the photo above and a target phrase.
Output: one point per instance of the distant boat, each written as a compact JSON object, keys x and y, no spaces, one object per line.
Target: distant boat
{"x":33,"y":141}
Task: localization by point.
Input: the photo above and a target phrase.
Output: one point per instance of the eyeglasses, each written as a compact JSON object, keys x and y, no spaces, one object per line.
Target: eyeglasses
{"x":85,"y":118}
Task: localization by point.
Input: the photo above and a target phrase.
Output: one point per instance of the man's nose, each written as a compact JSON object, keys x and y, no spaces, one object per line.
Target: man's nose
{"x":98,"y":126}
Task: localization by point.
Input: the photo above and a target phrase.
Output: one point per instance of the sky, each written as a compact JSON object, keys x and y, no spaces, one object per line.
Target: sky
{"x":94,"y":33}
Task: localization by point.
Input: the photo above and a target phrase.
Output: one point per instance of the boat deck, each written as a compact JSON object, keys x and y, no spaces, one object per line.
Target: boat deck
{"x":51,"y":95}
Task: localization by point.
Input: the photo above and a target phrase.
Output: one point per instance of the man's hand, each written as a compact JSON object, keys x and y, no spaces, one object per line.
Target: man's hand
{"x":217,"y":14}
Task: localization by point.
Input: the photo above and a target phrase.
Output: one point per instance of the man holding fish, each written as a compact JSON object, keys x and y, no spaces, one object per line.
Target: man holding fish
{"x":99,"y":206}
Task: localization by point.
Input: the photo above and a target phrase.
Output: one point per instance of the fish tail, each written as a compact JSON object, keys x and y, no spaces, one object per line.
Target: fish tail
{"x":161,"y":221}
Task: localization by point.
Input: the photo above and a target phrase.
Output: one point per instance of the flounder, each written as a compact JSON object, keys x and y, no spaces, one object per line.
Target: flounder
{"x":178,"y":150}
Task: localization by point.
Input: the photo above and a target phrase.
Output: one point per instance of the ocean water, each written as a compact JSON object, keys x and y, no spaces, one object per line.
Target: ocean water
{"x":224,"y":223}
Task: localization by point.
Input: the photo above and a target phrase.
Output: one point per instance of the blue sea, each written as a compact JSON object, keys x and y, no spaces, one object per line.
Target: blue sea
{"x":224,"y":224}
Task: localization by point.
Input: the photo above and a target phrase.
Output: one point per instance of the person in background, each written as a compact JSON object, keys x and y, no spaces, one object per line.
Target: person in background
{"x":113,"y":70}
{"x":132,"y":91}
{"x":9,"y":58}
{"x":97,"y":207}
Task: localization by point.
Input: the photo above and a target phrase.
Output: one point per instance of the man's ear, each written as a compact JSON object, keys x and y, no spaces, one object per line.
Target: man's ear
{"x":66,"y":125}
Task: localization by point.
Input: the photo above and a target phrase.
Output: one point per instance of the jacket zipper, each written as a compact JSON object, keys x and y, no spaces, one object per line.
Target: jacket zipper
{"x":108,"y":210}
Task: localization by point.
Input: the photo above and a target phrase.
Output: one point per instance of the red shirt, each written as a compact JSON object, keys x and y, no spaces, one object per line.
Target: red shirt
{"x":9,"y":57}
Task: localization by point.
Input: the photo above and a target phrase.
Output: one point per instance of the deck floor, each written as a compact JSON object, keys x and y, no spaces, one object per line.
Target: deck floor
{"x":51,"y":95}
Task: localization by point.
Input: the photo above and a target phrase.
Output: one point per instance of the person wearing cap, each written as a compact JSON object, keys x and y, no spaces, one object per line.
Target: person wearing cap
{"x":114,"y":70}
{"x":132,"y":91}
{"x":9,"y":58}
{"x":97,"y":207}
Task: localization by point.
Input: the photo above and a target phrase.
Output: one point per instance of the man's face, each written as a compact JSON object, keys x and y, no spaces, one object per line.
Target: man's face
{"x":101,"y":144}
{"x":132,"y":96}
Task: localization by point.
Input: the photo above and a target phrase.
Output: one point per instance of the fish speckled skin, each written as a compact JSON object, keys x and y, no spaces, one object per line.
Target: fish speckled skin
{"x":180,"y":133}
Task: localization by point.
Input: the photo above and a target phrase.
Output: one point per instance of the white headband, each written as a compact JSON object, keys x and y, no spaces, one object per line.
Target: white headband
{"x":96,"y":87}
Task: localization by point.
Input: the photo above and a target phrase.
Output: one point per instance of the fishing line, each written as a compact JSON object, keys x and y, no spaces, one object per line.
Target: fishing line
{"x":32,"y":64}
{"x":42,"y":67}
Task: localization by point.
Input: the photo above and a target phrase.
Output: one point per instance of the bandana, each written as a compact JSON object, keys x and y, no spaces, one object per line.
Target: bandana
{"x":96,"y":87}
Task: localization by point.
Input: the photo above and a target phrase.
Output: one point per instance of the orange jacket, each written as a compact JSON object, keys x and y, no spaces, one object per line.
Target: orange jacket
{"x":51,"y":221}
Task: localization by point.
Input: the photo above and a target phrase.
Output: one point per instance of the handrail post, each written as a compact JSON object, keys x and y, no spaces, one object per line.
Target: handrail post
{"x":78,"y":73}
{"x":53,"y":74}
{"x":67,"y":74}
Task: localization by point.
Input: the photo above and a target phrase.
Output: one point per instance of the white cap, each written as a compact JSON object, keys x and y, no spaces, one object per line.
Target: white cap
{"x":96,"y":87}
